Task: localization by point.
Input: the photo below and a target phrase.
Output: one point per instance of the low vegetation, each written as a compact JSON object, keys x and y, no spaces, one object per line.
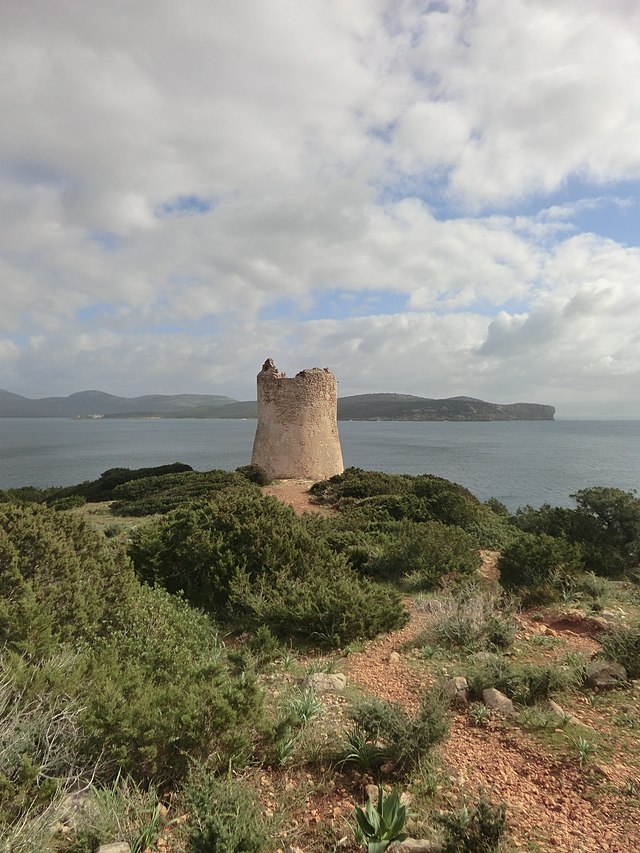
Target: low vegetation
{"x":248,"y":559}
{"x":152,"y":667}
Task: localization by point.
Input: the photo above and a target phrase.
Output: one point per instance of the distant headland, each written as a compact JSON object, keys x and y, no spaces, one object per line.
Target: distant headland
{"x":361,"y":407}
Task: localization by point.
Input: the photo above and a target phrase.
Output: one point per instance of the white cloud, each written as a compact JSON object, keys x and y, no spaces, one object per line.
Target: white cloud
{"x":326,"y":146}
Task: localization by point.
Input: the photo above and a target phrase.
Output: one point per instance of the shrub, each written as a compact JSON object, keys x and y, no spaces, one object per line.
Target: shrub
{"x":161,"y":692}
{"x":224,"y":815}
{"x":68,"y":502}
{"x":154,"y":693}
{"x":471,"y":621}
{"x":323,"y":608}
{"x":498,"y":507}
{"x":121,"y":811}
{"x":358,"y":547}
{"x":59,"y":580}
{"x":423,"y":553}
{"x":449,"y":502}
{"x":103,"y":488}
{"x":161,"y":494}
{"x":402,"y":496}
{"x":357,"y":483}
{"x":525,"y":683}
{"x":250,"y":557}
{"x":40,"y":742}
{"x":605,"y":523}
{"x":254,"y":474}
{"x":608,"y":526}
{"x":547,"y":519}
{"x":536,"y":566}
{"x":404,"y":740}
{"x":622,"y":644}
{"x":264,"y":646}
{"x":28,"y":494}
{"x":490,"y":529}
{"x":478,"y":829}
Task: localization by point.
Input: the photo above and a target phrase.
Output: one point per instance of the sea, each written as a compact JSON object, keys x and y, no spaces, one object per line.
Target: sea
{"x":518,"y":462}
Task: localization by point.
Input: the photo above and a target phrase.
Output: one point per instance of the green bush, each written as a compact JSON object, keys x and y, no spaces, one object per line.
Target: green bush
{"x":254,"y":474}
{"x":103,"y":488}
{"x":28,"y":494}
{"x":498,"y":507}
{"x":250,"y":558}
{"x":622,"y":644}
{"x":608,"y":528}
{"x":224,"y":816}
{"x":59,"y":580}
{"x":525,"y":683}
{"x":371,"y":504}
{"x":154,"y":693}
{"x":40,"y":743}
{"x":399,"y":738}
{"x":163,"y":692}
{"x":605,"y":524}
{"x":357,"y":483}
{"x":422,"y":554}
{"x":402,"y":496}
{"x":490,"y":529}
{"x":161,"y":494}
{"x":264,"y":646}
{"x":537,"y":566}
{"x":478,"y":829}
{"x":470,"y":620}
{"x":547,"y":519}
{"x":68,"y":502}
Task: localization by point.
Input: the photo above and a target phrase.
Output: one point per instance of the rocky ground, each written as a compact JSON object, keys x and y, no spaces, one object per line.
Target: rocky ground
{"x":554,"y":803}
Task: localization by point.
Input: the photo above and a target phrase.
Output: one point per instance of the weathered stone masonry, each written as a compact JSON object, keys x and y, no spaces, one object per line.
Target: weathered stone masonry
{"x":297,"y":434}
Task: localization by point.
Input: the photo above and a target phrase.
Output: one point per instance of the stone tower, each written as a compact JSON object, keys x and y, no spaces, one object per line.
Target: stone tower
{"x":297,"y":434}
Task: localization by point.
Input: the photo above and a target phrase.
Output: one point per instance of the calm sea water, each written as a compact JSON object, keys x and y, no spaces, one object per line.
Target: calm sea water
{"x":521,"y":462}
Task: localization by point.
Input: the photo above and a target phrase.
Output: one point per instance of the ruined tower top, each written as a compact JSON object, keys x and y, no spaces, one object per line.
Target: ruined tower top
{"x":297,"y":433}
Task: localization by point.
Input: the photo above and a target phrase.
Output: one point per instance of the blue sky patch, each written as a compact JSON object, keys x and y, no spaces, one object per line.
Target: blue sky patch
{"x":338,"y":304}
{"x":107,"y":239}
{"x":93,"y":312}
{"x":184,"y":205}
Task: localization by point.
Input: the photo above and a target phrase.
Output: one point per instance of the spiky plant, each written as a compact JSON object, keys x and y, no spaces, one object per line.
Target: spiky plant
{"x":382,"y":823}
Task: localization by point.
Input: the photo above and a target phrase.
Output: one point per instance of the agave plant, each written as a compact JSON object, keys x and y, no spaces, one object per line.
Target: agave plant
{"x":383,"y":823}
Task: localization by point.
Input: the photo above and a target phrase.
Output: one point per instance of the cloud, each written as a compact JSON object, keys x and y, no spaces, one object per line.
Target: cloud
{"x":528,"y":94}
{"x":170,"y":174}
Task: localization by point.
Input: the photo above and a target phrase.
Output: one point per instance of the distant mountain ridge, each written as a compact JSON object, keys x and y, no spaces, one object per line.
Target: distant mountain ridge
{"x":360,"y":407}
{"x":88,"y":403}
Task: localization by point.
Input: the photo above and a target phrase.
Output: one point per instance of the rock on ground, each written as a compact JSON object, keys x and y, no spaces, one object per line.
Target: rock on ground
{"x":326,"y":682}
{"x":605,"y":674}
{"x":497,"y":701}
{"x":456,"y":691}
{"x":416,"y":845}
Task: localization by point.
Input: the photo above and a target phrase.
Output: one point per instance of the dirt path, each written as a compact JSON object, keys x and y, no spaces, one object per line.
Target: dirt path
{"x":296,"y":494}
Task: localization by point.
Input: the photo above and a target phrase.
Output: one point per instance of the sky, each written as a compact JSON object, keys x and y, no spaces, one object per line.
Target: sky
{"x":434,"y":198}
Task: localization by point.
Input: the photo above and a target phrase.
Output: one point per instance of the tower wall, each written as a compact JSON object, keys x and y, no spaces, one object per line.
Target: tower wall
{"x":297,"y":433}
